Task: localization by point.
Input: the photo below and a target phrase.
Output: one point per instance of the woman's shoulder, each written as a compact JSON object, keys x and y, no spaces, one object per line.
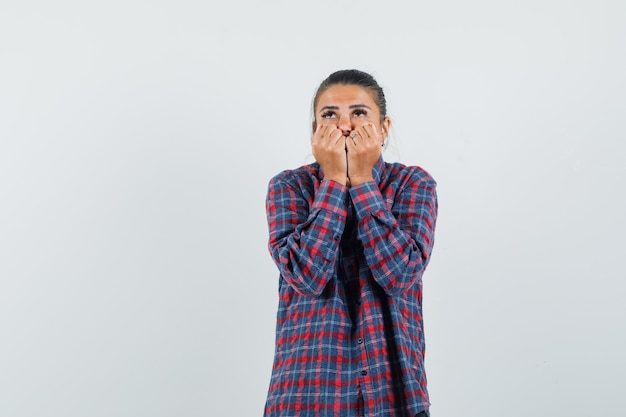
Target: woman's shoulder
{"x":303,"y":175}
{"x":402,"y":172}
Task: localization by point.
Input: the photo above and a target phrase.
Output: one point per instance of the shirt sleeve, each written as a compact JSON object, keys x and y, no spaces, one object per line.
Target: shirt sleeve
{"x":304,"y":237}
{"x":397,"y":239}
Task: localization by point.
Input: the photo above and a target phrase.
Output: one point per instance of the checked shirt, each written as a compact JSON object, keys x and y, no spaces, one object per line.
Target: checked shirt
{"x":349,"y":329}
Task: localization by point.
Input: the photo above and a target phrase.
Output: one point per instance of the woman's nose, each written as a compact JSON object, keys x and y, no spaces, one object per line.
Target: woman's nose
{"x":345,"y":124}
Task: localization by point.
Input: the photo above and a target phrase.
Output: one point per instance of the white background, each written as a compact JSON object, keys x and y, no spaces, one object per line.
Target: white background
{"x":137,"y":140}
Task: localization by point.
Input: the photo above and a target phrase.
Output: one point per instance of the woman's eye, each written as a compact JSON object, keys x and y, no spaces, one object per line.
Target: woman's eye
{"x":360,"y":113}
{"x":328,"y":115}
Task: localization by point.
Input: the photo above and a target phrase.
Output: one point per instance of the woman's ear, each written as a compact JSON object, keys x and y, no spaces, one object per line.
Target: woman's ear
{"x":384,"y":126}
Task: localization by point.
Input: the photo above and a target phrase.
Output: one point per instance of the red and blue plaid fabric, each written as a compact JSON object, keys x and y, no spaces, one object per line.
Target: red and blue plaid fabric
{"x":349,"y":329}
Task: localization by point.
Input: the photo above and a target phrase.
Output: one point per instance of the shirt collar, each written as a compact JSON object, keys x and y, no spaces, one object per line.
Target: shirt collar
{"x":377,"y":171}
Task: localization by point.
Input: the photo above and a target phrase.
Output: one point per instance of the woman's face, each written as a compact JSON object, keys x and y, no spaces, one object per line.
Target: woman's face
{"x":348,"y":107}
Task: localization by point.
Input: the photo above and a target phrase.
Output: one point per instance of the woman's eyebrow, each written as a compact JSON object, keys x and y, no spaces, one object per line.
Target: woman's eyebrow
{"x":353,"y":106}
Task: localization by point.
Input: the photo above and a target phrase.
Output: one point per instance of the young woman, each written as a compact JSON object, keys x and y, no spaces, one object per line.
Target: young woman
{"x":351,"y":235}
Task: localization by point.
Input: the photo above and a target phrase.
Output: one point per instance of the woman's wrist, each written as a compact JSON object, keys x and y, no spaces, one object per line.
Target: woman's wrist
{"x":358,"y":179}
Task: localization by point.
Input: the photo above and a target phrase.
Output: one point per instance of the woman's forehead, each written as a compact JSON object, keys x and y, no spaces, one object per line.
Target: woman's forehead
{"x":346,"y":94}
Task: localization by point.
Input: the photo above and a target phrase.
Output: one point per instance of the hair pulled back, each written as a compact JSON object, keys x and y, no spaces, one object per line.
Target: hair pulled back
{"x":353,"y":77}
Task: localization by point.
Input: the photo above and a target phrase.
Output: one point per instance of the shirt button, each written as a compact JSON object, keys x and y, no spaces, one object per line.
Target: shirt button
{"x":360,"y":340}
{"x":363,"y":373}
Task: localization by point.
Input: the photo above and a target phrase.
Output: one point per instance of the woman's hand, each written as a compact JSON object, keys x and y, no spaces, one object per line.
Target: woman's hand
{"x":364,"y":146}
{"x":329,"y":149}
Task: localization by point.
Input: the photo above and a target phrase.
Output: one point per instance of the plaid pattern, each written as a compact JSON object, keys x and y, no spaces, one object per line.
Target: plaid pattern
{"x":349,"y":338}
